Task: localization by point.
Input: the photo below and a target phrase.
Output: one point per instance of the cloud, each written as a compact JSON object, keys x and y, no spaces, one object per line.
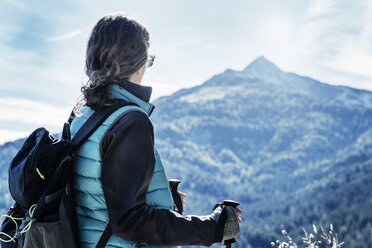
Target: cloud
{"x":333,"y":41}
{"x":319,"y":7}
{"x":351,"y":42}
{"x":65,"y":36}
{"x":19,"y":117}
{"x":28,"y":111}
{"x":10,"y":135}
{"x":350,"y":58}
{"x":19,"y":4}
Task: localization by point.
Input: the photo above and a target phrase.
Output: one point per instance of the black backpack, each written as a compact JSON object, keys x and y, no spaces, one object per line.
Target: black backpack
{"x":43,"y":214}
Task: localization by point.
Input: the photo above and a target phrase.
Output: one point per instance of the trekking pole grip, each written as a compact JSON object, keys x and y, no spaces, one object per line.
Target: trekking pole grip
{"x":233,"y":204}
{"x":173,"y":184}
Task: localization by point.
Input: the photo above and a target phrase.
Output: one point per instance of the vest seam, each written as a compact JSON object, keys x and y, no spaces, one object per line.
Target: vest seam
{"x":85,"y":192}
{"x":81,"y":156}
{"x":158,"y":170}
{"x":88,"y":209}
{"x":153,"y":190}
{"x":93,"y":230}
{"x":76,"y":174}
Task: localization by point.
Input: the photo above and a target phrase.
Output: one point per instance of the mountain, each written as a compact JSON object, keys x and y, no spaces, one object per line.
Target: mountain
{"x":264,"y":70}
{"x":292,"y":150}
{"x":7,"y":151}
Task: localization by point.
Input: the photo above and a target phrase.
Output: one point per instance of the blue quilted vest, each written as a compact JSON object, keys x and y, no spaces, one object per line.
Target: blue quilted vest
{"x":91,"y":209}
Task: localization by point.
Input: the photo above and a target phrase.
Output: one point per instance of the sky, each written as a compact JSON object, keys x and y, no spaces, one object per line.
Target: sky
{"x":42,"y":47}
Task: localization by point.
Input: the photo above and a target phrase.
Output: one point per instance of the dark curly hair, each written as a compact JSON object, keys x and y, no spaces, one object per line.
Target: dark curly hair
{"x":116,"y":49}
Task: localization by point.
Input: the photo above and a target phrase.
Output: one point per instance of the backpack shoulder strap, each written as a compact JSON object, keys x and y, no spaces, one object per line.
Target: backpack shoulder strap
{"x":95,"y":120}
{"x":106,"y":235}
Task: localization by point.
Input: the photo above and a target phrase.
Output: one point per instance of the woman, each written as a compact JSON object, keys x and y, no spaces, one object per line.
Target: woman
{"x":119,"y":183}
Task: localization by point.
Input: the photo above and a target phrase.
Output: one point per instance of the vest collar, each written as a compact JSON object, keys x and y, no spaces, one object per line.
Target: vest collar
{"x":121,"y":93}
{"x":140,"y":91}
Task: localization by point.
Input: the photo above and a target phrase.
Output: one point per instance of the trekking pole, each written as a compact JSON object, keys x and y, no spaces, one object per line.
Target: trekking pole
{"x":233,"y":204}
{"x":173,"y":184}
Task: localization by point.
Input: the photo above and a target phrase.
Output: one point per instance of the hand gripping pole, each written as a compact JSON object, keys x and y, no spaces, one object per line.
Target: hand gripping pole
{"x":233,"y":204}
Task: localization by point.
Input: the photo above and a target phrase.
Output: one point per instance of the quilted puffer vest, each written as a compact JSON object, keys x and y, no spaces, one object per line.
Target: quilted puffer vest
{"x":91,"y":209}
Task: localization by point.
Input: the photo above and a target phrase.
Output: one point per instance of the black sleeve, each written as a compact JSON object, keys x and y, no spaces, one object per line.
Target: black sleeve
{"x":128,"y":164}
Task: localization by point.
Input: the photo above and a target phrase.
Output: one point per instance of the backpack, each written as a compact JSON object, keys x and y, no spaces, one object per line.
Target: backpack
{"x":43,"y":214}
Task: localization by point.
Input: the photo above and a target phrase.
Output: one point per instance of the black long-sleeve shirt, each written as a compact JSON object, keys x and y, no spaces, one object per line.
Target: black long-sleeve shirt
{"x":128,"y":164}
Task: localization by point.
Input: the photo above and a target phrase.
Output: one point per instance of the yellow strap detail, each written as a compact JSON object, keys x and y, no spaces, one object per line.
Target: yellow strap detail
{"x":41,"y":175}
{"x":25,"y":229}
{"x":11,"y":239}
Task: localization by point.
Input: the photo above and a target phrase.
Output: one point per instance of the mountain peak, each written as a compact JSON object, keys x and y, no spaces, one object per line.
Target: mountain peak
{"x":261,"y":66}
{"x":261,"y":59}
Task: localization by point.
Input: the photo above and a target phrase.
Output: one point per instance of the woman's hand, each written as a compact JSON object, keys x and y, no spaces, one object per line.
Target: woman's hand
{"x":230,"y":224}
{"x":183,"y":196}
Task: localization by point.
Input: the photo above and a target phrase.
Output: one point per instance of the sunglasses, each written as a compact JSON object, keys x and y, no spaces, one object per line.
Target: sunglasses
{"x":150,"y":60}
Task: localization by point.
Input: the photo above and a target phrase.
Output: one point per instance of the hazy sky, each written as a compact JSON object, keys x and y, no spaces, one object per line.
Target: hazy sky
{"x":42,"y":46}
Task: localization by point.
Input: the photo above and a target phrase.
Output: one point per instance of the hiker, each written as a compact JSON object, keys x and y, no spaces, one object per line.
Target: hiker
{"x":119,"y":185}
